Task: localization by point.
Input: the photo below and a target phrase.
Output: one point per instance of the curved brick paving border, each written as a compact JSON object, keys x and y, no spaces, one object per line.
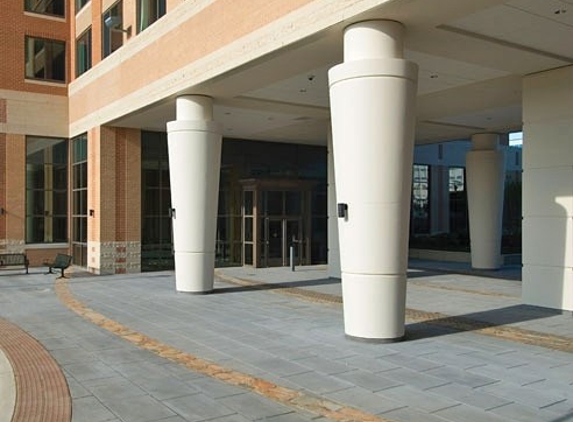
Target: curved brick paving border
{"x":520,"y":335}
{"x":42,"y":394}
{"x":287,"y":396}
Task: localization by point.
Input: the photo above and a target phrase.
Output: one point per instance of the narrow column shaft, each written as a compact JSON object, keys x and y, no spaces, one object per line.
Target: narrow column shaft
{"x":372,"y":98}
{"x":194,"y":143}
{"x":485,"y":172}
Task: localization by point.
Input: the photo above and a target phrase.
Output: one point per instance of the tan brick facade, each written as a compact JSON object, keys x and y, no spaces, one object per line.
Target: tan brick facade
{"x":15,"y":25}
{"x":114,"y":195}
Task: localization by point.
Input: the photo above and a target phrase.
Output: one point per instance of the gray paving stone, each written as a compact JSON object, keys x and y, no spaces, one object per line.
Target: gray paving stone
{"x":139,"y":409}
{"x":409,"y":414}
{"x":469,"y":414}
{"x":462,"y":377}
{"x":520,"y":375}
{"x":89,"y":371}
{"x":281,"y":367}
{"x":319,"y":383}
{"x":407,"y":376}
{"x":254,"y":407}
{"x":89,"y":409}
{"x":371,"y":382}
{"x":522,"y":413}
{"x":470,"y":396}
{"x":114,"y":389}
{"x":325,"y":366}
{"x":412,"y":362}
{"x":76,"y":389}
{"x":367,"y":363}
{"x":360,"y":398}
{"x":72,"y":355}
{"x":562,"y":408}
{"x":198,"y":407}
{"x":525,"y":395}
{"x":230,"y":418}
{"x":215,"y":389}
{"x":418,"y":399}
{"x":167,"y":388}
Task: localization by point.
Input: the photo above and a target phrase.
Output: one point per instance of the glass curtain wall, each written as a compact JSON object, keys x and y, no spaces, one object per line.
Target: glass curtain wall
{"x":80,"y":200}
{"x":46,"y":190}
{"x":156,"y":240}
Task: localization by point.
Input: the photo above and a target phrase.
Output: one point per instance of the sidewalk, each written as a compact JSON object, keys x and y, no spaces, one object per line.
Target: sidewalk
{"x":278,"y":337}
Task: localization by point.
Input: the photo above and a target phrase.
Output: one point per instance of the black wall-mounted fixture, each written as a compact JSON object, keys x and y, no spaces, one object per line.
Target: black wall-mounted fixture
{"x":2,"y":211}
{"x":172,"y":212}
{"x":342,"y":210}
{"x":92,"y":213}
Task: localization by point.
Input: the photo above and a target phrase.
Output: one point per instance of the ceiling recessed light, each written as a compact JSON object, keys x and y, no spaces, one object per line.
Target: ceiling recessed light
{"x":302,"y":91}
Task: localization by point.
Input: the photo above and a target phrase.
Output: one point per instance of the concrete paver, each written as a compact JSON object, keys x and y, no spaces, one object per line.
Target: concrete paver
{"x":438,"y":374}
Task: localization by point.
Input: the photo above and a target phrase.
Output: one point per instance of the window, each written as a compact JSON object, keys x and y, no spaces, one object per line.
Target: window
{"x":47,"y":7}
{"x":84,"y":52}
{"x":80,"y":4}
{"x":456,"y":179}
{"x":80,"y":200}
{"x":148,"y":12}
{"x":111,"y":32}
{"x":45,"y":59}
{"x":46,"y":190}
{"x":421,"y":199}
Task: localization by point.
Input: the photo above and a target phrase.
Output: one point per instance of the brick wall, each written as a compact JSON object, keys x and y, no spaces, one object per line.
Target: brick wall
{"x":114,"y":194}
{"x":14,"y":26}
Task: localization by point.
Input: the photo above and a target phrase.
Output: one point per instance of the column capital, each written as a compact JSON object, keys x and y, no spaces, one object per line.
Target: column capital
{"x":485,"y":141}
{"x":194,"y":107}
{"x":373,"y":39}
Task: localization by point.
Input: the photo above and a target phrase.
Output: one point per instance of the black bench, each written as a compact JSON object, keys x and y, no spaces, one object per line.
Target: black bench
{"x":61,"y":262}
{"x":14,"y":260}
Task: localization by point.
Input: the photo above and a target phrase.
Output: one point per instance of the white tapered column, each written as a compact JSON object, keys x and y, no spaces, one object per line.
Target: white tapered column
{"x":485,"y":172}
{"x":372,"y":97}
{"x":194,"y":143}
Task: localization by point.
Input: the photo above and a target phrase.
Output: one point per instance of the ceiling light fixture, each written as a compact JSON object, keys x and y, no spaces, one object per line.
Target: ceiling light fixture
{"x":434,"y":76}
{"x":560,"y":11}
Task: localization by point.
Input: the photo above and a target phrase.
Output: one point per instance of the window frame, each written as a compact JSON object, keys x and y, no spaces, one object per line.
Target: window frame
{"x":62,"y":15}
{"x":88,"y":57}
{"x":26,"y":54}
{"x":108,"y":33}
{"x":161,"y":10}
{"x":49,"y":192}
{"x":79,"y":4}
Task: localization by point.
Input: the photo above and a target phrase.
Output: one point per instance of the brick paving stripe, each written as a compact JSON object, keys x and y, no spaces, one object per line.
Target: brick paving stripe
{"x":42,"y":393}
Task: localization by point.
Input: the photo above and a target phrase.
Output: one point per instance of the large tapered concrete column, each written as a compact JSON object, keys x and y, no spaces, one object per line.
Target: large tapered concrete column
{"x":485,"y":172}
{"x":194,"y":143}
{"x":372,"y":97}
{"x":333,"y":248}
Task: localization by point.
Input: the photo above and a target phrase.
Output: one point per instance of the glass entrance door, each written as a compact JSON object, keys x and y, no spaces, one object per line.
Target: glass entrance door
{"x":279,"y":234}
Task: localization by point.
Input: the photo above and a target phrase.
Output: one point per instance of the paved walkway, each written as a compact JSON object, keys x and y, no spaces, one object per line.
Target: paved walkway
{"x":132,"y":349}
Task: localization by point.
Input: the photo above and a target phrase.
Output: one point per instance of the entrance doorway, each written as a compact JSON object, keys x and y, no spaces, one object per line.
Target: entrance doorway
{"x":276,"y":214}
{"x":279,"y":235}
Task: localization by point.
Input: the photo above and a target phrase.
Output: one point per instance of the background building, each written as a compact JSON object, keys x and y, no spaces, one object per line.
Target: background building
{"x":90,"y":88}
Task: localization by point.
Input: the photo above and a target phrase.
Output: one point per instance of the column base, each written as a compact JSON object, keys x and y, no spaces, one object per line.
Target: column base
{"x":194,"y":272}
{"x":374,"y":306}
{"x":375,"y":340}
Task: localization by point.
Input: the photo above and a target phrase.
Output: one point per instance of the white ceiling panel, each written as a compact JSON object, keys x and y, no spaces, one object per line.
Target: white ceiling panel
{"x":524,"y":26}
